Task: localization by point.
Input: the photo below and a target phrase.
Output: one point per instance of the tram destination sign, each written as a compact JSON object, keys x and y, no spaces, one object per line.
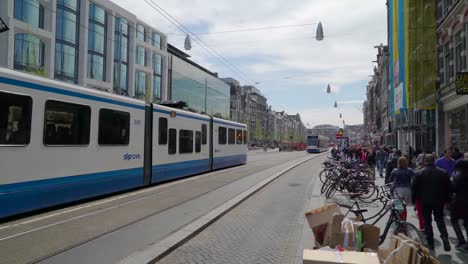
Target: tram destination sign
{"x":461,"y":83}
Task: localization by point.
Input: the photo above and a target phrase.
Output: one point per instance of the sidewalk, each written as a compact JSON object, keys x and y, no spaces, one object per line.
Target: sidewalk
{"x":454,"y":256}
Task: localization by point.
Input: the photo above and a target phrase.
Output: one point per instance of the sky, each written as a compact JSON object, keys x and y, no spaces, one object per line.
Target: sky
{"x":291,"y":67}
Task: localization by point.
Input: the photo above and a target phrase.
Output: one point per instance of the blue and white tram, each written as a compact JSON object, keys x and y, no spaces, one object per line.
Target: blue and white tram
{"x":61,"y":143}
{"x":317,"y":143}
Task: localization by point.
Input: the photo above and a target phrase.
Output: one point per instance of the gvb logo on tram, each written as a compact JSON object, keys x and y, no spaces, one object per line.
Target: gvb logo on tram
{"x":131,"y":156}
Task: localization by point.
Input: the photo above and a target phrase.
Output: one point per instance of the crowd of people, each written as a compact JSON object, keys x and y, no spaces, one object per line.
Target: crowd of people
{"x":429,"y":182}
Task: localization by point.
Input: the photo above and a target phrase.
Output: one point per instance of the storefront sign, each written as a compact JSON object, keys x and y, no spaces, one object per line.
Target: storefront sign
{"x":461,"y":84}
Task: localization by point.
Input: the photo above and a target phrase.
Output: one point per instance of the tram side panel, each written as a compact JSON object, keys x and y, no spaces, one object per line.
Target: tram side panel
{"x":229,"y":143}
{"x":180,"y":144}
{"x":61,"y":143}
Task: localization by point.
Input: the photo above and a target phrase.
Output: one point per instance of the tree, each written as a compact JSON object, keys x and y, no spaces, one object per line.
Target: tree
{"x":258,"y":130}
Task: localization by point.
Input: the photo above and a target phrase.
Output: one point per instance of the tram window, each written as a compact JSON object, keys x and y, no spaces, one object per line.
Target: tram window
{"x":238,"y":136}
{"x":203,"y":133}
{"x":162,"y":134}
{"x":66,"y":123}
{"x":222,"y":131}
{"x":185,"y":141}
{"x":114,"y":127}
{"x":231,"y":136}
{"x":15,"y":119}
{"x":245,"y":137}
{"x":198,"y":141}
{"x":172,"y":148}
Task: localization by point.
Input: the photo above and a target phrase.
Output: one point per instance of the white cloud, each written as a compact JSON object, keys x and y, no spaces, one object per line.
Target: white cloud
{"x":351,"y":102}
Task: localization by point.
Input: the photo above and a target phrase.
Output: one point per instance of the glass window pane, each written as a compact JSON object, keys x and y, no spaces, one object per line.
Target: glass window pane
{"x":66,"y":123}
{"x":140,"y":56}
{"x":162,"y":131}
{"x":15,"y":119}
{"x":245,"y":137}
{"x":140,"y":85}
{"x":123,"y":76}
{"x":185,"y":141}
{"x":66,"y":26}
{"x":72,"y":4}
{"x":140,"y":32}
{"x":65,"y":60}
{"x":96,"y":67}
{"x":114,"y":127}
{"x":156,"y":88}
{"x":238,"y":136}
{"x":96,"y":38}
{"x":156,"y":40}
{"x":96,"y":13}
{"x":231,"y":136}
{"x":204,"y":133}
{"x":222,"y":133}
{"x":157,"y":63}
{"x":30,"y":12}
{"x":172,"y":147}
{"x":29,"y":54}
{"x":198,"y":141}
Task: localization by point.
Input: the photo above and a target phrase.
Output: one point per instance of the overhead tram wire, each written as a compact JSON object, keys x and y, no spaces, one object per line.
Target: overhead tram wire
{"x":248,"y":29}
{"x":181,"y":27}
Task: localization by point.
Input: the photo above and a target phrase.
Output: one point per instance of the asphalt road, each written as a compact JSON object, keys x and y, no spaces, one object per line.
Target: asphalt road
{"x":82,"y":233}
{"x":266,"y":228}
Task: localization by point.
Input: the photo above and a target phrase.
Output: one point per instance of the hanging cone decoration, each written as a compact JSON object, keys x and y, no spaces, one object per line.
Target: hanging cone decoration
{"x":328,"y":89}
{"x":319,"y":36}
{"x":341,"y":116}
{"x":336,"y":104}
{"x":188,"y":43}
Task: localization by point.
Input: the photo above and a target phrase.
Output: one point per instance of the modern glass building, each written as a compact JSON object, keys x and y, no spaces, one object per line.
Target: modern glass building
{"x":92,"y":43}
{"x":201,"y":89}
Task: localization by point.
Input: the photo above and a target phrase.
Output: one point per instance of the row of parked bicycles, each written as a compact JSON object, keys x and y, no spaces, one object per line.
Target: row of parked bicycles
{"x":357,"y":182}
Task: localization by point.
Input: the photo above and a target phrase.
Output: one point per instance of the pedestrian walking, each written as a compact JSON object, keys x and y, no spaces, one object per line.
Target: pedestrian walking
{"x":459,"y":204}
{"x":432,"y":186}
{"x":446,"y":162}
{"x":417,"y":202}
{"x":392,"y":164}
{"x":381,"y":157}
{"x":402,"y":177}
{"x":420,"y":158}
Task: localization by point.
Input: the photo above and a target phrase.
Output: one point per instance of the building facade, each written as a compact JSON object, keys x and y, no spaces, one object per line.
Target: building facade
{"x":356,"y":134}
{"x":236,"y":112}
{"x":326,"y":130}
{"x":452,"y":34}
{"x":200,"y":88}
{"x":255,"y":108}
{"x":95,"y":44}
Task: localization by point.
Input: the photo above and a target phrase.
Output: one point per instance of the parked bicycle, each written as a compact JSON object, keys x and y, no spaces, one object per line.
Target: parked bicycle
{"x":393,"y":205}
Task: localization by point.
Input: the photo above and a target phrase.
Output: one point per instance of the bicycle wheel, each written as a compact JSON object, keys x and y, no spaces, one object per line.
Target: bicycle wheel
{"x":368,"y":190}
{"x":410,"y":231}
{"x":330,"y":191}
{"x":371,"y":196}
{"x":325,"y":185}
{"x":323,"y":175}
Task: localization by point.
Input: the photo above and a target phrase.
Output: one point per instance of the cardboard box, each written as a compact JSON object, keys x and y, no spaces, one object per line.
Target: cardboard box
{"x":370,"y":236}
{"x":404,"y":250}
{"x":320,"y":222}
{"x":346,"y":257}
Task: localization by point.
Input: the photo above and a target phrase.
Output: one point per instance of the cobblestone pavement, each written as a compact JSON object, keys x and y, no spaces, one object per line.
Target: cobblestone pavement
{"x":266,"y":228}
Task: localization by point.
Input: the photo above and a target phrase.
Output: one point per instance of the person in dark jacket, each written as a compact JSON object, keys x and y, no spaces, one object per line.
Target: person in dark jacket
{"x":391,"y":165}
{"x":457,"y":155}
{"x":402,"y":177}
{"x":433,"y":187}
{"x":459,"y":205}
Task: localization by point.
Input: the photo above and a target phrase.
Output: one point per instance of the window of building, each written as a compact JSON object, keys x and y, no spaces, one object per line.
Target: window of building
{"x":140,"y":85}
{"x":30,"y":12}
{"x":15,"y":119}
{"x":114,"y":127}
{"x":140,"y":32}
{"x":204,"y":134}
{"x":231,"y":136}
{"x":96,"y":42}
{"x":197,"y":141}
{"x":245,"y":137}
{"x":447,"y":62}
{"x":185,"y":141}
{"x":156,"y":40}
{"x":440,"y":61}
{"x":222,"y":133}
{"x":29,"y":54}
{"x":157,"y":65}
{"x":140,"y":58}
{"x":172,"y":147}
{"x":66,"y":47}
{"x":66,"y":123}
{"x":162,"y":131}
{"x":121,"y":56}
{"x":238,"y":136}
{"x":458,"y":53}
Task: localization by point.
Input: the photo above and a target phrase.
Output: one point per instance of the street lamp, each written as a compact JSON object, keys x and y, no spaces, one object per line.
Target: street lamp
{"x":319,"y":36}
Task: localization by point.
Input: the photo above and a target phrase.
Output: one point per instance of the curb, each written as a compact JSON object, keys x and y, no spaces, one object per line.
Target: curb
{"x":157,"y":251}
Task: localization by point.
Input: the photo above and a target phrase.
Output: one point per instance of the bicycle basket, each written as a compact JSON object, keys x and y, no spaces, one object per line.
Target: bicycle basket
{"x":398,"y":205}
